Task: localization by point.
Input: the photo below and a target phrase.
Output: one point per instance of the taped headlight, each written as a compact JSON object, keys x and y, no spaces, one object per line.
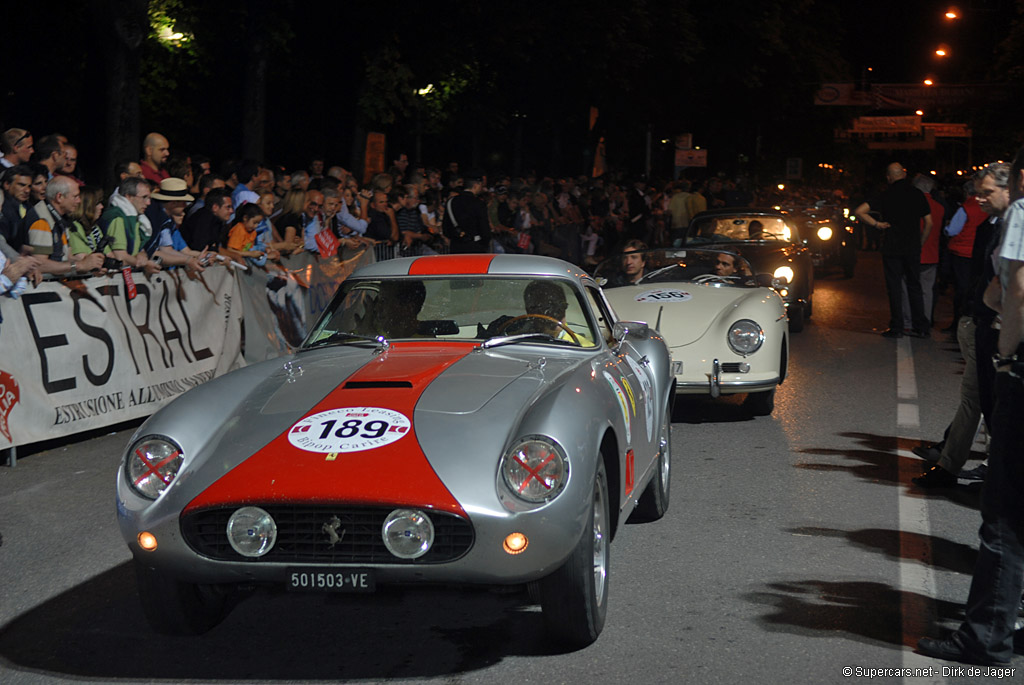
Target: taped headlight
{"x":535,"y":469}
{"x":825,"y":233}
{"x":745,"y":337}
{"x":151,"y":465}
{"x":784,"y":272}
{"x":252,"y":531}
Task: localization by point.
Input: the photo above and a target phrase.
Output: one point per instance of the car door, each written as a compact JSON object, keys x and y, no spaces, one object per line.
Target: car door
{"x":633,"y":374}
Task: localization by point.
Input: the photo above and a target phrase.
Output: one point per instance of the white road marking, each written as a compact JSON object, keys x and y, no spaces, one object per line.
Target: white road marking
{"x":916,"y":579}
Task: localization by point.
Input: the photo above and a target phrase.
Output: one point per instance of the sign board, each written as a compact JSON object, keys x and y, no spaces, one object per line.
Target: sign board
{"x":949,"y":130}
{"x":373,"y":162}
{"x":910,"y":95}
{"x":924,"y":142}
{"x":901,"y":124}
{"x":691,"y":157}
{"x":794,"y":168}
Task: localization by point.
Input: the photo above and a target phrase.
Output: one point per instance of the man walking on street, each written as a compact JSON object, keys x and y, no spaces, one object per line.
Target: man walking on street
{"x":906,"y":223}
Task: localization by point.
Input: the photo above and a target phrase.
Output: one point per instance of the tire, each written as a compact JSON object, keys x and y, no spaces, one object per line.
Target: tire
{"x":654,"y":501}
{"x":173,"y":607}
{"x":574,"y":599}
{"x":760,"y":403}
{"x":796,"y":318}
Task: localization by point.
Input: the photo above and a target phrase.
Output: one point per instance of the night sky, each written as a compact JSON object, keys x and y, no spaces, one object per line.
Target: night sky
{"x":739,"y":75}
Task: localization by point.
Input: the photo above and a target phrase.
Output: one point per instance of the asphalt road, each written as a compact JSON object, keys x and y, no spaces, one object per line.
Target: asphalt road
{"x":794,"y":547}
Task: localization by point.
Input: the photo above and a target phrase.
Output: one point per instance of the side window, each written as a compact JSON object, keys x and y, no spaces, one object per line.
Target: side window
{"x":601,"y":311}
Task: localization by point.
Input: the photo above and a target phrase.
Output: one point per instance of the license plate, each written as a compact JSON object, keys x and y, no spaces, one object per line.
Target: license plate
{"x":341,"y":580}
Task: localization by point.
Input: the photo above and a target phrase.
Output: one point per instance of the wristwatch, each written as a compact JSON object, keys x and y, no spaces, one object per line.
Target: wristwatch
{"x":998,"y":361}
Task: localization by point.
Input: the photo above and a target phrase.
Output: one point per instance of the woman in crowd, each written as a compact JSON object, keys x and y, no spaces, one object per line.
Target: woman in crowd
{"x":288,"y":228}
{"x":39,"y":178}
{"x":85,"y":236}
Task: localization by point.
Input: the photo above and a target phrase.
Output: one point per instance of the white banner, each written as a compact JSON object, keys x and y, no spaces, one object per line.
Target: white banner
{"x":77,"y":355}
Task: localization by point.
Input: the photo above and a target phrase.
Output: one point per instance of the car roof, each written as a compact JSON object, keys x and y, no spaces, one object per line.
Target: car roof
{"x":475,"y":265}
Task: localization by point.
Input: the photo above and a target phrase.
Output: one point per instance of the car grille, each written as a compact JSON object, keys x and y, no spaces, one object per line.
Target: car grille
{"x":301,"y":537}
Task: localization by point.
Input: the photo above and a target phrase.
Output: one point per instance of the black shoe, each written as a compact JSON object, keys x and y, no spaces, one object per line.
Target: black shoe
{"x":929,"y":453}
{"x":935,"y":477}
{"x":951,"y":649}
{"x":977,"y":473}
{"x":918,"y":334}
{"x":892,"y":333}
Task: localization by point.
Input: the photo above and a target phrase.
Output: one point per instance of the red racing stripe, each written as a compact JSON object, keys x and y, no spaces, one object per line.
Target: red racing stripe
{"x":394,"y":474}
{"x":451,"y":264}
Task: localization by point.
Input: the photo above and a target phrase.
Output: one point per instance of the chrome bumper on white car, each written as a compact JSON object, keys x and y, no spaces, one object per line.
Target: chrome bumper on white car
{"x":713,"y":384}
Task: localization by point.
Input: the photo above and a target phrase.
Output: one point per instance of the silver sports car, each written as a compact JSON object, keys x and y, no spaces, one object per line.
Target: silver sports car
{"x":465,"y":419}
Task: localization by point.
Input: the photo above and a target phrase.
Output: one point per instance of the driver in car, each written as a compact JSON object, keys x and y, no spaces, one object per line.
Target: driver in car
{"x":395,"y":312}
{"x":728,"y":265}
{"x":633,"y":264}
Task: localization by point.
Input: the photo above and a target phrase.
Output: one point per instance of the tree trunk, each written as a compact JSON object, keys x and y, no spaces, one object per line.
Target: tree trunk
{"x":123,"y":52}
{"x":254,"y":93}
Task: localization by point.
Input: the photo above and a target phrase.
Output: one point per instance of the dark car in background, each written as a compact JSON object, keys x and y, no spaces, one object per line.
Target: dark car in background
{"x":773,"y":244}
{"x":828,"y":233}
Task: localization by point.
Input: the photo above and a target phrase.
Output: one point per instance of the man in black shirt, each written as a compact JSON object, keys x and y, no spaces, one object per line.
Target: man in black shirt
{"x":466,"y":222}
{"x":906,"y":221}
{"x":207,"y":228}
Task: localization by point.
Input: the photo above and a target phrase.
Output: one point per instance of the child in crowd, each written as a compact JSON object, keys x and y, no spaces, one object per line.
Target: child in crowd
{"x":242,"y":237}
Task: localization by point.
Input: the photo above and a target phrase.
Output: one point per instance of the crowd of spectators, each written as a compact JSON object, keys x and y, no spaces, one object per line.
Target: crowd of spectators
{"x":169,"y":209}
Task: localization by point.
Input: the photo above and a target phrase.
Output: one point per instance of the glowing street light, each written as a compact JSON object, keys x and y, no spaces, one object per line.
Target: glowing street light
{"x":953,"y":13}
{"x":942,"y":51}
{"x":919,"y":112}
{"x":929,"y":82}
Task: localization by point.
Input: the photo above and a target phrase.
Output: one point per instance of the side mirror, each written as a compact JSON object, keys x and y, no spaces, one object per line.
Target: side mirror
{"x":635,"y":330}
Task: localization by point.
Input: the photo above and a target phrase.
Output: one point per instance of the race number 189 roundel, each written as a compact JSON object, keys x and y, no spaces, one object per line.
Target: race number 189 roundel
{"x":350,"y":429}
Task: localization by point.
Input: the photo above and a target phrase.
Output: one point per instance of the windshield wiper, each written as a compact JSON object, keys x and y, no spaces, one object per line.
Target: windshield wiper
{"x":520,"y":337}
{"x":340,"y":337}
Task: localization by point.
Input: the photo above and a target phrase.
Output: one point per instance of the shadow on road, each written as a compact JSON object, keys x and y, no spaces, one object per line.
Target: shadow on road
{"x":879,"y":463}
{"x":867,"y":611}
{"x":945,"y":554}
{"x":97,"y":630}
{"x":701,"y":409}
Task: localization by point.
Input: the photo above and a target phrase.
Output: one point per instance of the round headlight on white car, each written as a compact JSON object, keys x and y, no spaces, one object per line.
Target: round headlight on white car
{"x":408,"y":533}
{"x":151,"y":465}
{"x":825,"y":233}
{"x":252,"y":531}
{"x":535,"y":469}
{"x":784,"y":272}
{"x":745,"y":337}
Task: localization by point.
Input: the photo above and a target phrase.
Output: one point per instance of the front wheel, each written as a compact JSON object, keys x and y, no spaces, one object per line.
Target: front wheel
{"x":654,"y":501}
{"x":574,"y":599}
{"x":173,"y":607}
{"x":760,"y":403}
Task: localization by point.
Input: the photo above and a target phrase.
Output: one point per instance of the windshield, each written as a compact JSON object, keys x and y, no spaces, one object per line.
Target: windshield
{"x":740,"y":228}
{"x":545,"y":310}
{"x":675,"y":265}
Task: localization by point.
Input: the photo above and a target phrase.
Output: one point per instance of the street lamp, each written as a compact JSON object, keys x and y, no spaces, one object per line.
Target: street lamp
{"x":953,"y":13}
{"x":942,"y":51}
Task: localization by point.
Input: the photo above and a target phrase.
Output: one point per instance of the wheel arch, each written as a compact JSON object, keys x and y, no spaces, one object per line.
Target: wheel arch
{"x":613,"y":471}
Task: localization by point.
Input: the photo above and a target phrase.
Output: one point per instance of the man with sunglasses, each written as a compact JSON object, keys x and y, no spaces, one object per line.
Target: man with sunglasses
{"x":16,"y":145}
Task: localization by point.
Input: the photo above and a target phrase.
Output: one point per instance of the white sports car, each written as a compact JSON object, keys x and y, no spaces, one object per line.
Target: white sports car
{"x":725,"y":328}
